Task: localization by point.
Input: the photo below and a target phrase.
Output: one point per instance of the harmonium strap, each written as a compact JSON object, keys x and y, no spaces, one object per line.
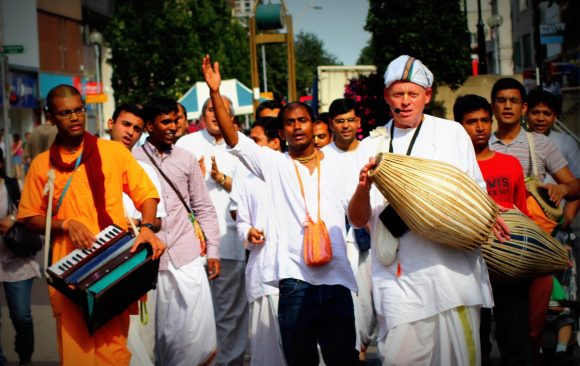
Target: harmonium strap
{"x":107,"y":278}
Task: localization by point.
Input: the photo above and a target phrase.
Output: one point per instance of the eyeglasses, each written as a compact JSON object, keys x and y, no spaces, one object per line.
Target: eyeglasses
{"x":340,"y":121}
{"x":67,"y":113}
{"x":504,"y":100}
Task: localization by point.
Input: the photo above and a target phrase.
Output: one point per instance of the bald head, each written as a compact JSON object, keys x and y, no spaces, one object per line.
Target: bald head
{"x":60,"y":91}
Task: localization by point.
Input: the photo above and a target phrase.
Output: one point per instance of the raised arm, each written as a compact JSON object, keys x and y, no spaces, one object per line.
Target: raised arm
{"x":213,"y":80}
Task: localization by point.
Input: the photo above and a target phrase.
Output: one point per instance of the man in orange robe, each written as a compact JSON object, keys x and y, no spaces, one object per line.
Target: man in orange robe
{"x":99,"y":172}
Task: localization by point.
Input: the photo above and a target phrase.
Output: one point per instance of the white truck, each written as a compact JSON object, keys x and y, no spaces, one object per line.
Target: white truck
{"x":333,"y":79}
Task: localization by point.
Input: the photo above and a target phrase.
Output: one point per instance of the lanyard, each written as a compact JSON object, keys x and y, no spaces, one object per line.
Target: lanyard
{"x":412,"y":139}
{"x":302,"y":186}
{"x":68,"y":183}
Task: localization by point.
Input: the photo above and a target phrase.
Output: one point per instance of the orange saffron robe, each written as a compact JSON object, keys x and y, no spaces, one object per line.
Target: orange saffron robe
{"x":108,"y":345}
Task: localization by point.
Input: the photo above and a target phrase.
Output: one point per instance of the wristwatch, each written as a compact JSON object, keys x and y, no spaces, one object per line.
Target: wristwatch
{"x":149,"y":226}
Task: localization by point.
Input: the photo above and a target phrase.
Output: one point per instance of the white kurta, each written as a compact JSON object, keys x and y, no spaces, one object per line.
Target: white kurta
{"x":200,"y":144}
{"x":364,"y":313}
{"x":253,"y":210}
{"x":434,"y":278}
{"x":141,"y":338}
{"x":279,"y":173}
{"x":128,"y":203}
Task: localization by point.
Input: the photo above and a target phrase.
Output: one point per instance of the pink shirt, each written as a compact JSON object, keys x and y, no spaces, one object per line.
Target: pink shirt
{"x":176,"y":229}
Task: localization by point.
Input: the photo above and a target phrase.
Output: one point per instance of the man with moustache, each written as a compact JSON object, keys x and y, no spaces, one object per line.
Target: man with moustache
{"x":345,"y":120}
{"x":185,"y":327}
{"x":427,"y":296}
{"x":543,"y":110}
{"x":315,"y":301}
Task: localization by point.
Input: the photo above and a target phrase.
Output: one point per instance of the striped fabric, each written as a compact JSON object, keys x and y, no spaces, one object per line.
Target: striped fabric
{"x":548,"y":157}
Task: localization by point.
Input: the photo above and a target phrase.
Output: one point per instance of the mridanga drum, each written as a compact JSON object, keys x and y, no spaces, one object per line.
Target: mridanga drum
{"x":536,"y":188}
{"x":436,"y":200}
{"x":530,"y":252}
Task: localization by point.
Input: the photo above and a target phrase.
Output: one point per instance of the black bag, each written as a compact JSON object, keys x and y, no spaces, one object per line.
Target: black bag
{"x":20,"y":240}
{"x":391,"y":219}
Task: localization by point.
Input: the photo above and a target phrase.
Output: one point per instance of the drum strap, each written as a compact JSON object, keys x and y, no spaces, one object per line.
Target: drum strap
{"x":530,"y":137}
{"x":413,"y":139}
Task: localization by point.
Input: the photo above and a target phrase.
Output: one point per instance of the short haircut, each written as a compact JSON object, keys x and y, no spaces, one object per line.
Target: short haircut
{"x":542,"y":96}
{"x":507,"y":83}
{"x":269,"y":125}
{"x":184,"y":109}
{"x":134,"y":109}
{"x":470,"y":103}
{"x":323,"y":117}
{"x":205,"y":104}
{"x":60,"y":91}
{"x":268,"y":104}
{"x":342,"y":106}
{"x":294,"y":105}
{"x":158,"y":106}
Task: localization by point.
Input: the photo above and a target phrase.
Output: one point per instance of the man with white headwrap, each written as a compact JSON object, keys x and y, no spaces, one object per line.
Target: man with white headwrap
{"x":427,"y":295}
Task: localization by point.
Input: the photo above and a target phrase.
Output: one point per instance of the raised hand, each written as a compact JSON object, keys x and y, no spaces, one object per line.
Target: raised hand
{"x":211,"y":74}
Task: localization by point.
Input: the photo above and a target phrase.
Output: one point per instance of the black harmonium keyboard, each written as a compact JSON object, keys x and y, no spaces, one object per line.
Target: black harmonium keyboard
{"x":105,"y":279}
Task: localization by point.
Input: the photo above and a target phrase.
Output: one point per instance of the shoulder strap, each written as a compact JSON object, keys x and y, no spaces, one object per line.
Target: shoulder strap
{"x":189,"y":210}
{"x":532,"y":153}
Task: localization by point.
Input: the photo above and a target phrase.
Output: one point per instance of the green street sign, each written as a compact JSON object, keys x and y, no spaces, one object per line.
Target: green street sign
{"x":12,"y":49}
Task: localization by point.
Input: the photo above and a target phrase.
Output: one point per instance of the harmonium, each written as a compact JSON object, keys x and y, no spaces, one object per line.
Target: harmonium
{"x":105,"y":279}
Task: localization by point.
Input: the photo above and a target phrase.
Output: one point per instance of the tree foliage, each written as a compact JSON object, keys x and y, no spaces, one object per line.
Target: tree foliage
{"x":309,"y":54}
{"x":157,"y":46}
{"x":366,"y":56}
{"x":433,"y":31}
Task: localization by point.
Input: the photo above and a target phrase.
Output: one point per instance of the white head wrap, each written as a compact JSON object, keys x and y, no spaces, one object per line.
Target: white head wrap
{"x":407,"y":68}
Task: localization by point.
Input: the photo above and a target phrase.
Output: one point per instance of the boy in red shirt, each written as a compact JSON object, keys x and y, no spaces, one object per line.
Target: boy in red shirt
{"x":504,"y":178}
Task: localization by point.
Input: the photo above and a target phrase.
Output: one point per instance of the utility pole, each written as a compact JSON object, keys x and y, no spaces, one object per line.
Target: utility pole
{"x":482,"y":54}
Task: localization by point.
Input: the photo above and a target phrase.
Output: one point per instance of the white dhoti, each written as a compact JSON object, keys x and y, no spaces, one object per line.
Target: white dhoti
{"x":265,"y":341}
{"x":364,"y":311}
{"x":448,"y":338}
{"x":141,"y":340}
{"x":185,"y":325}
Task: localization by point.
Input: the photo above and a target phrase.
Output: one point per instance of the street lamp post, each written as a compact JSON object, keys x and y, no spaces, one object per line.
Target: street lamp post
{"x":482,"y":66}
{"x":494,"y":22}
{"x":96,"y":40}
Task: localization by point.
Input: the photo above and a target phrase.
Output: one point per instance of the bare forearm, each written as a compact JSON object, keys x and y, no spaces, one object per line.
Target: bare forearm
{"x":226,"y":125}
{"x":359,"y":207}
{"x":38,"y":224}
{"x":149,"y":213}
{"x":573,"y":190}
{"x":570,"y":212}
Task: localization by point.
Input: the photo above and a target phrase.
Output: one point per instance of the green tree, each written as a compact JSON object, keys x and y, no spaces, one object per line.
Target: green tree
{"x":157,"y":46}
{"x":366,"y":56}
{"x":309,"y":53}
{"x":433,"y":31}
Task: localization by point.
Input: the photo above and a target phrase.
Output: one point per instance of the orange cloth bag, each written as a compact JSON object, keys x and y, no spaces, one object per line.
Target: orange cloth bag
{"x":316,"y":243}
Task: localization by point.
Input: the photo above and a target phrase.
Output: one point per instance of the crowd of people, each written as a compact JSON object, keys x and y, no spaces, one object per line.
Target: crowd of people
{"x":266,"y":239}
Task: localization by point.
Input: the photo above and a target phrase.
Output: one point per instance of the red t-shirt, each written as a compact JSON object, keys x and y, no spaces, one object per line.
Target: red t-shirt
{"x":504,"y":178}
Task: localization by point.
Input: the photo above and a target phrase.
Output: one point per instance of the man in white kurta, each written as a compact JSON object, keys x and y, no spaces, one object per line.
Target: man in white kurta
{"x":428,"y":298}
{"x":345,"y":121}
{"x":126,"y":126}
{"x":228,"y":290}
{"x":315,"y":304}
{"x":256,"y":230}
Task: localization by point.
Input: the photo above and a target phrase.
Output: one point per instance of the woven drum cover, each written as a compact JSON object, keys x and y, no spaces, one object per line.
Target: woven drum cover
{"x":436,"y":200}
{"x":530,"y":251}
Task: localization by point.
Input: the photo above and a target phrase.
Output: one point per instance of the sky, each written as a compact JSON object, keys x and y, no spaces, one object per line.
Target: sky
{"x":339,"y":24}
